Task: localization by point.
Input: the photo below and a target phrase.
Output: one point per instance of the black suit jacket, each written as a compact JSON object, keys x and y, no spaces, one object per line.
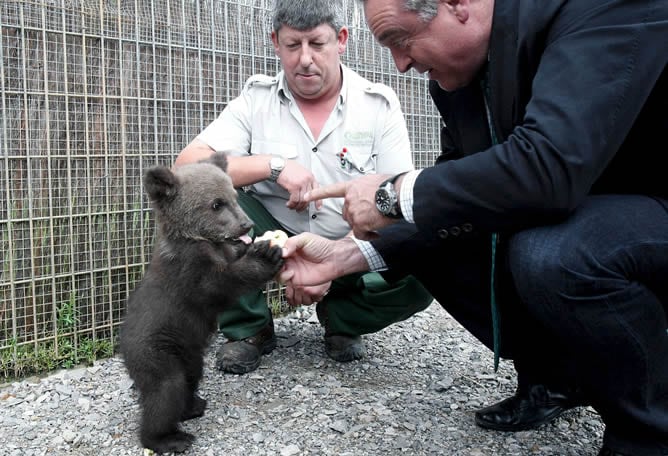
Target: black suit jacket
{"x":578,"y":97}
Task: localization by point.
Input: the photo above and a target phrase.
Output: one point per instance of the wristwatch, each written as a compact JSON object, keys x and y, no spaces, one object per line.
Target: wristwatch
{"x":387,"y":199}
{"x":276,"y":165}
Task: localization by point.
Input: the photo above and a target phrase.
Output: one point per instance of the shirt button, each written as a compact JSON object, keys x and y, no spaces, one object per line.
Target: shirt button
{"x":315,"y":149}
{"x":455,"y":231}
{"x":314,"y":216}
{"x":467,"y":227}
{"x":443,"y":233}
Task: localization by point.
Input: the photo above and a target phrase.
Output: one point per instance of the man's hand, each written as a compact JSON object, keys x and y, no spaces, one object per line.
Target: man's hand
{"x":297,"y":180}
{"x":359,"y":203}
{"x":305,"y":296}
{"x":314,"y":260}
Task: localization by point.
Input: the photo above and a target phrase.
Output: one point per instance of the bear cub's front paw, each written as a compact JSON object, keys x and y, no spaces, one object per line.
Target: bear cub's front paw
{"x":269,"y":258}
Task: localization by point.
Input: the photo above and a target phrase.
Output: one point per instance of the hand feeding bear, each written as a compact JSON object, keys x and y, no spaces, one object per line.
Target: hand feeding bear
{"x":203,"y":260}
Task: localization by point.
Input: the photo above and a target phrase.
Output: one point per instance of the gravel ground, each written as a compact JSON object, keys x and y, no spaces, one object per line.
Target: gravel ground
{"x":414,"y":394}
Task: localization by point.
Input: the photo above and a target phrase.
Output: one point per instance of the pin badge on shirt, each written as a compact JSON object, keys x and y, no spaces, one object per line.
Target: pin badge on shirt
{"x":343,"y":159}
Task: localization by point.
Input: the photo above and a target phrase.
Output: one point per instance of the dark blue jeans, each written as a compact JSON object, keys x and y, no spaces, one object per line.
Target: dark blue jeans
{"x":583,"y":302}
{"x":599,"y":284}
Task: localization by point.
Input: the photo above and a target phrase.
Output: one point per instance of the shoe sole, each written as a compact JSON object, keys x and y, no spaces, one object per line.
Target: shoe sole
{"x":351,"y":352}
{"x":244,"y":368}
{"x":345,"y":357}
{"x":240,"y":368}
{"x":517,"y":428}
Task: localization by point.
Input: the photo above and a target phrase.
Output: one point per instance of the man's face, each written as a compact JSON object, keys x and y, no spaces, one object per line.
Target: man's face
{"x":311,"y":59}
{"x":451,"y":48}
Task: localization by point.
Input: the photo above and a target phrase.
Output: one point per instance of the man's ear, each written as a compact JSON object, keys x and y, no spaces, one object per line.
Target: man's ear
{"x":460,"y":8}
{"x":342,"y":38}
{"x":274,"y":40}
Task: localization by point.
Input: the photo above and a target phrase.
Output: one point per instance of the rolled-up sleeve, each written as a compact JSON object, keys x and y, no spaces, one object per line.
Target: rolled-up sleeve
{"x":231,"y":131}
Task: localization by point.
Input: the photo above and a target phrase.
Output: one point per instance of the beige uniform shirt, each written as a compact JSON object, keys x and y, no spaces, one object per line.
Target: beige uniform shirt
{"x":367,"y":126}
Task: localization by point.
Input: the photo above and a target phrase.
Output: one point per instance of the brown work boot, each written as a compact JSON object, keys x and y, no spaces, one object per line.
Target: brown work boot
{"x":243,"y":356}
{"x":344,"y":348}
{"x":340,"y":347}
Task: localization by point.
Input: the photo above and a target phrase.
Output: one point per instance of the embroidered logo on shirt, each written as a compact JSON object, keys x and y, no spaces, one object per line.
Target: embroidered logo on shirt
{"x":358,"y":137}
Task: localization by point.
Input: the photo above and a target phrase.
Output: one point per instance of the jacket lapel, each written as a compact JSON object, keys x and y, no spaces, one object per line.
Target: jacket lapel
{"x":502,"y":73}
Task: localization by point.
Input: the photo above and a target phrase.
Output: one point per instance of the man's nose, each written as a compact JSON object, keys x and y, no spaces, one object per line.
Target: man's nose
{"x":306,"y":57}
{"x":401,"y":60}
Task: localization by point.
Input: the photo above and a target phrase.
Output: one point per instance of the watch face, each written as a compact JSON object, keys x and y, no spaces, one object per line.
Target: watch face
{"x":277,"y":162}
{"x":383,"y":201}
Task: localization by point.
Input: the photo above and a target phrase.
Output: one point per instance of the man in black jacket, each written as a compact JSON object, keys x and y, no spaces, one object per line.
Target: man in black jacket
{"x":548,"y":205}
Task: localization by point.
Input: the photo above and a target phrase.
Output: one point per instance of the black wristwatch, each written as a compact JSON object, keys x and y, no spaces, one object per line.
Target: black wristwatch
{"x":387,"y":199}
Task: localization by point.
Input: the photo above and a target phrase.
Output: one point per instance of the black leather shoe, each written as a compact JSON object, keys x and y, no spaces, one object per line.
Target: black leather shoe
{"x":243,"y":356}
{"x":528,"y":408}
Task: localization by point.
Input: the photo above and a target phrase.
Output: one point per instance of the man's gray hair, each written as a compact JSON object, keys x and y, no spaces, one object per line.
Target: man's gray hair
{"x":425,"y":9}
{"x":307,"y":14}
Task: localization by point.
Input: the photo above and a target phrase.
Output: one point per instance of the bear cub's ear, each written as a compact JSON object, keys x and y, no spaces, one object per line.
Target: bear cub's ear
{"x":160,"y":183}
{"x":219,"y":159}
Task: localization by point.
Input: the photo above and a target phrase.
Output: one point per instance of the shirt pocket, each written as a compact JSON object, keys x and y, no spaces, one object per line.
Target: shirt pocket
{"x":357,"y":160}
{"x":286,"y":150}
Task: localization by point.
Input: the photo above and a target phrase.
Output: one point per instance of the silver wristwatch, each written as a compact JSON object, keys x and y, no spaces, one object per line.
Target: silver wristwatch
{"x":276,"y":165}
{"x":387,"y":199}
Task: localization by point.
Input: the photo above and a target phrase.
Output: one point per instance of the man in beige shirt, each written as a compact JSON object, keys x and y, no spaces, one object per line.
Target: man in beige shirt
{"x":315,"y":123}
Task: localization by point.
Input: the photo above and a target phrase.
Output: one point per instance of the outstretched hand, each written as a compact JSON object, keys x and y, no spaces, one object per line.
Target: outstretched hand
{"x":359,"y":204}
{"x":309,"y":260}
{"x":314,"y":260}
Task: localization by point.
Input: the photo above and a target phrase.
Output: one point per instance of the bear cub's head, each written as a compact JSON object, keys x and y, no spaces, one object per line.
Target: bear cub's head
{"x":197,"y":202}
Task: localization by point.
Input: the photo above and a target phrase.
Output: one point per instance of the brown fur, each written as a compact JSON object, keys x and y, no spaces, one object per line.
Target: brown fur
{"x":199,"y":266}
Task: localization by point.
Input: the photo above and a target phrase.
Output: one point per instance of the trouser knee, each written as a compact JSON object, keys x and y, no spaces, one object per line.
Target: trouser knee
{"x":543,"y":268}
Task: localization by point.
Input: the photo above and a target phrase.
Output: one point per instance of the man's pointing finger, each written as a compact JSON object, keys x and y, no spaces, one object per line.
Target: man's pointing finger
{"x":328,"y":191}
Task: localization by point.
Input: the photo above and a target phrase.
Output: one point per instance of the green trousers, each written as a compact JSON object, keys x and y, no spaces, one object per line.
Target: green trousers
{"x":356,"y":304}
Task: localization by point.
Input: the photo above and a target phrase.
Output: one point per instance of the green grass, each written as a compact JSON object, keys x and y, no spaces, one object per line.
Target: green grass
{"x":18,"y":361}
{"x":66,"y":315}
{"x":65,"y":350}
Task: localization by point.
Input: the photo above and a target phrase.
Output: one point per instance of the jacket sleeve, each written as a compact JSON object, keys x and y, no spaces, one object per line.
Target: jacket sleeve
{"x":400,"y":244}
{"x":590,"y":70}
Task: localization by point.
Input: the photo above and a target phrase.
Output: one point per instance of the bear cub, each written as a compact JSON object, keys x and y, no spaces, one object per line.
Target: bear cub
{"x":202,"y":261}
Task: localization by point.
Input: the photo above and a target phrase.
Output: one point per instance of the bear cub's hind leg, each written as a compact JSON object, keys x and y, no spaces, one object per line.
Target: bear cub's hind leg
{"x":163,"y":408}
{"x":195,"y":408}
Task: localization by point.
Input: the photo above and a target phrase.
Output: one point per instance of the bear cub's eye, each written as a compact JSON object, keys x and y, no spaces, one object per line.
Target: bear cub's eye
{"x":218,"y":204}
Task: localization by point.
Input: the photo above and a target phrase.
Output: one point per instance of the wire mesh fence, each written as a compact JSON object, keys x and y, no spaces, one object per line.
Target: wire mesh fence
{"x":93,"y":93}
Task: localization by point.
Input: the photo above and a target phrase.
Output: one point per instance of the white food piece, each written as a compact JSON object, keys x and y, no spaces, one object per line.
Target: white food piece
{"x":275,"y":238}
